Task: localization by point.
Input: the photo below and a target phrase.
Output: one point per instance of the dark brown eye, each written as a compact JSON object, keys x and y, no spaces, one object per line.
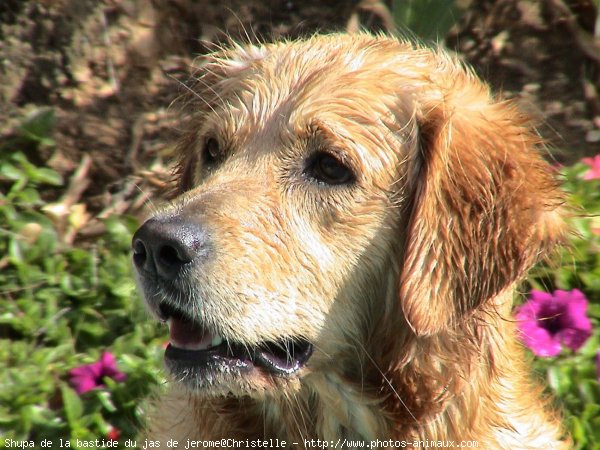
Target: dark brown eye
{"x":326,"y":168}
{"x":211,"y":153}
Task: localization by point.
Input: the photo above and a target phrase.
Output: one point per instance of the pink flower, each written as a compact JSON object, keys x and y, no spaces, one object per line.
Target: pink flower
{"x":594,"y":172}
{"x":90,"y":376}
{"x":548,"y":321}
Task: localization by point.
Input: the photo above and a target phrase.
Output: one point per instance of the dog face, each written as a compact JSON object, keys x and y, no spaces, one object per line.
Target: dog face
{"x":330,"y":187}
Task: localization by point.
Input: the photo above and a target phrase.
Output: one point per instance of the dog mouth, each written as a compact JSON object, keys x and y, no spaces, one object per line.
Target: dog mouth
{"x":195,"y":351}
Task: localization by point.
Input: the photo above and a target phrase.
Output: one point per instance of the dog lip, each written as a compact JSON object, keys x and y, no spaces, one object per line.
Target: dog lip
{"x":196,"y":346}
{"x":286,"y":359}
{"x":272,"y":356}
{"x":232,"y":354}
{"x":207,"y":360}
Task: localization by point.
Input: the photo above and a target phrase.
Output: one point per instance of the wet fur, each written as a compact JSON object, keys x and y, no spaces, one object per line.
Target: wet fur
{"x":404,"y":284}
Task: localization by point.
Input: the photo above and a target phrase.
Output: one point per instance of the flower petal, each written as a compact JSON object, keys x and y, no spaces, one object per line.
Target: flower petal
{"x":108,"y":360}
{"x":573,"y":338}
{"x":577,"y":311}
{"x":83,"y":384}
{"x":109,"y":367}
{"x":594,"y":164}
{"x":540,"y":296}
{"x":539,"y":340}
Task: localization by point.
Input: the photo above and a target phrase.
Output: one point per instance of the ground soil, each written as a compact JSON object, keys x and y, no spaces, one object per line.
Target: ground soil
{"x":543,"y":54}
{"x":110,"y":70}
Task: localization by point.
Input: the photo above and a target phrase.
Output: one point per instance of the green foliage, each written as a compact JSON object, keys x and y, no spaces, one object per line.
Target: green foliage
{"x":573,"y":377}
{"x":61,"y":307}
{"x":427,"y":19}
{"x":37,"y":126}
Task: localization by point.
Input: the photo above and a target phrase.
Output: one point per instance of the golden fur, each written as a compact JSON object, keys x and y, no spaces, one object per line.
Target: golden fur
{"x":403,"y":280}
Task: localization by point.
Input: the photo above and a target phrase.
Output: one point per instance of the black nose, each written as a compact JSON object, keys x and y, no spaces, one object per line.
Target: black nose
{"x":163,"y":246}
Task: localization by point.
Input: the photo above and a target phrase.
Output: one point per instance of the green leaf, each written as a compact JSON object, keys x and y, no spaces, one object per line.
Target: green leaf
{"x":554,"y":378}
{"x":15,"y":251}
{"x":428,"y":19}
{"x":11,"y":172}
{"x":577,"y":430}
{"x":44,"y":175}
{"x":106,"y":400}
{"x":38,"y":125}
{"x":72,"y":405}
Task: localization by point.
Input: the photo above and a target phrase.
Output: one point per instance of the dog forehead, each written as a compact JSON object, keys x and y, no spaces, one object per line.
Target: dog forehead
{"x":275,"y":78}
{"x":277,"y":92}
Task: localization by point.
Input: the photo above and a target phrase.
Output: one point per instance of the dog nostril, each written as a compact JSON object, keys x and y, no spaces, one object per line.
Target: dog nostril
{"x":171,"y":256}
{"x":139,"y":253}
{"x":162,"y":246}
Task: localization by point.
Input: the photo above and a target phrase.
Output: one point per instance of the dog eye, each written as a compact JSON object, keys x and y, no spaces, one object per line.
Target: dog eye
{"x":211,"y":154}
{"x":326,"y":168}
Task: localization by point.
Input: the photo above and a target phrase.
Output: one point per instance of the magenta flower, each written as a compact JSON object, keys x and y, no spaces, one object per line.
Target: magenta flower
{"x":594,"y":172}
{"x":90,"y":376}
{"x":548,"y":321}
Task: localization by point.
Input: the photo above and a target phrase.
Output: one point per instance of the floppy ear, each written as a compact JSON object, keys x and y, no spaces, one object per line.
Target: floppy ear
{"x":485,"y":208}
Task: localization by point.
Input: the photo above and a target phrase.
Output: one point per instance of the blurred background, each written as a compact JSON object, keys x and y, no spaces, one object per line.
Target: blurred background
{"x":86,"y":135}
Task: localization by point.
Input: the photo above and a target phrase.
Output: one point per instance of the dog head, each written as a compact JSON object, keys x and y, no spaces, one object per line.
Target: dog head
{"x":328,"y":185}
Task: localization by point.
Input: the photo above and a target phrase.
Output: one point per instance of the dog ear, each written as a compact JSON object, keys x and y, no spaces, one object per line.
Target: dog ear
{"x":485,"y":208}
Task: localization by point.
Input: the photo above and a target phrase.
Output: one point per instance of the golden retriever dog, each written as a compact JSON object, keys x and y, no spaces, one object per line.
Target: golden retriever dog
{"x":352,"y":216}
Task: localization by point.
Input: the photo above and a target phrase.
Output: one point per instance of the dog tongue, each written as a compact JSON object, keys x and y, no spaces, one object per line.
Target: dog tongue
{"x":187,"y":335}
